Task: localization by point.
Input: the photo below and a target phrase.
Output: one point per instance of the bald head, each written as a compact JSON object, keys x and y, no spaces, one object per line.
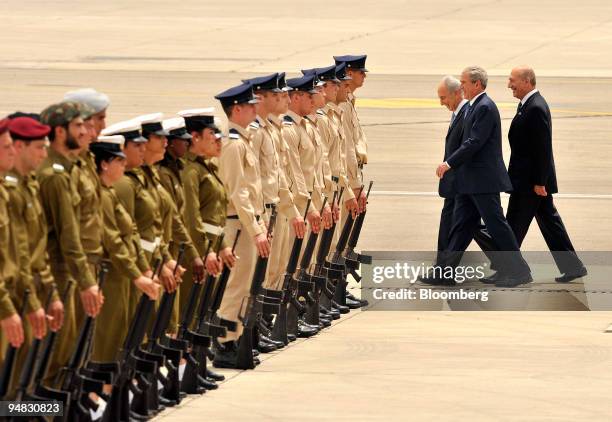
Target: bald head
{"x":521,"y":81}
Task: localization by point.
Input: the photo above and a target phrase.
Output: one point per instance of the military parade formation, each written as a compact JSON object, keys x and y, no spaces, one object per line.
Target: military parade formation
{"x":134,"y":256}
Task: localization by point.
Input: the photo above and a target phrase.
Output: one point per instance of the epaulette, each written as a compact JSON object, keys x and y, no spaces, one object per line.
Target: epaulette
{"x":287,"y":120}
{"x":58,"y":168}
{"x":254,"y":124}
{"x":233,"y":134}
{"x":10,"y":180}
{"x":320,"y":112}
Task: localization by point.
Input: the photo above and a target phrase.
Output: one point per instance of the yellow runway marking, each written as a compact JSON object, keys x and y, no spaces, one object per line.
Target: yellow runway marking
{"x":430,"y":103}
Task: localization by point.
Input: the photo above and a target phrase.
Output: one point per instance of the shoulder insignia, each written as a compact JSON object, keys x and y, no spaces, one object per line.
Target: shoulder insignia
{"x":320,"y":112}
{"x":58,"y":168}
{"x":254,"y":125}
{"x":234,"y":134}
{"x":10,"y":180}
{"x":287,"y":118}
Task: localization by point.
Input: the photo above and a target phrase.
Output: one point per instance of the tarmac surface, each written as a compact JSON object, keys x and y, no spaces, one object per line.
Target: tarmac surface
{"x":494,"y":366}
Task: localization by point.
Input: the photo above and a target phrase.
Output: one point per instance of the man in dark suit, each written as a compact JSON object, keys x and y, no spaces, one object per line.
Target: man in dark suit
{"x":533,"y":176}
{"x":480,"y":177}
{"x":451,"y":96}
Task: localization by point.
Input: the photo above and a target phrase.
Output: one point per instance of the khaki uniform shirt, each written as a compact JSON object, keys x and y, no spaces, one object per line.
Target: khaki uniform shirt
{"x":359,"y":138}
{"x":239,"y":170}
{"x":302,"y":152}
{"x":120,"y":238}
{"x":90,"y":207}
{"x":205,"y":202}
{"x":29,"y":224}
{"x":287,"y":204}
{"x":332,"y":133}
{"x":322,"y":170}
{"x":6,"y":304}
{"x":61,"y":200}
{"x":352,"y":165}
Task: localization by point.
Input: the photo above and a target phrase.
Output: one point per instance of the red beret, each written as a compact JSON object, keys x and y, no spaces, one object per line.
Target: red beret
{"x":28,"y":129}
{"x":4,"y":124}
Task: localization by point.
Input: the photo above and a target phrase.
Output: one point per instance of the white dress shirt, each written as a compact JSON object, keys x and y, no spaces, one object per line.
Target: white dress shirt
{"x":526,"y":97}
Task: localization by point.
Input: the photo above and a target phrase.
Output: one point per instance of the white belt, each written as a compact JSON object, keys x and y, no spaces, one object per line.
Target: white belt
{"x":212,"y":229}
{"x":150,"y":246}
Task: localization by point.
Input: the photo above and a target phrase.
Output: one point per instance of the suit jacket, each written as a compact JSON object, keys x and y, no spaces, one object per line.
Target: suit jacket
{"x":479,"y":162}
{"x":530,"y":136}
{"x":446,"y":187}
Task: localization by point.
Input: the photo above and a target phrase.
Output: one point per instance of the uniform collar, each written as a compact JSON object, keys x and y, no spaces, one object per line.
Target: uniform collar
{"x":262,"y":122}
{"x":275,"y":120}
{"x":242,"y":131}
{"x":296,"y":118}
{"x":57,"y":158}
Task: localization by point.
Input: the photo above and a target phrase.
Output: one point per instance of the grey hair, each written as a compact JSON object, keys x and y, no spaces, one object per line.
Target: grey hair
{"x":451,"y":83}
{"x":477,"y":73}
{"x":528,"y":74}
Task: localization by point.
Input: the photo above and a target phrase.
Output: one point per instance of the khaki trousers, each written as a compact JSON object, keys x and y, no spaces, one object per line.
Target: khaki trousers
{"x":234,"y":299}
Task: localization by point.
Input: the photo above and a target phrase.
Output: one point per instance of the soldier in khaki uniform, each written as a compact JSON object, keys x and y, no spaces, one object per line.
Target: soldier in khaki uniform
{"x":95,"y":100}
{"x":90,"y":206}
{"x":289,"y":216}
{"x":29,"y":231}
{"x":141,"y":200}
{"x":61,"y":201}
{"x":10,"y":321}
{"x":239,"y":171}
{"x":274,"y":185}
{"x":121,"y":248}
{"x":174,"y":232}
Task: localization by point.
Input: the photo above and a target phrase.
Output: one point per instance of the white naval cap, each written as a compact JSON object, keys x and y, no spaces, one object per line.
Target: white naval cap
{"x":112,"y":139}
{"x":108,"y":146}
{"x":195,"y":112}
{"x":176,"y":128}
{"x":97,"y":101}
{"x":197,"y":119}
{"x":152,"y":124}
{"x":130,"y":129}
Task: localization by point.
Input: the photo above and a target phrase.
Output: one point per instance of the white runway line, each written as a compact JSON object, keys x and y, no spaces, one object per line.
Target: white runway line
{"x":557,"y":195}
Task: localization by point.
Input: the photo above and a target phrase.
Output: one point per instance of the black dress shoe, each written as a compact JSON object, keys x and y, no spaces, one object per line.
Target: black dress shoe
{"x":492,"y":279}
{"x":291,"y":337}
{"x":324,"y":323}
{"x":226,"y":355}
{"x":438,"y":281}
{"x":566,"y":278}
{"x":255,"y":352}
{"x":305,"y":331}
{"x":363,"y":302}
{"x":341,"y":308}
{"x":164,"y":402}
{"x":513,"y":281}
{"x":208,"y":384}
{"x":214,"y":375}
{"x":265,"y":347}
{"x":352,"y":304}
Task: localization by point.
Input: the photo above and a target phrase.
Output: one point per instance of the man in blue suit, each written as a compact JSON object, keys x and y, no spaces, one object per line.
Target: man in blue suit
{"x":480,"y":176}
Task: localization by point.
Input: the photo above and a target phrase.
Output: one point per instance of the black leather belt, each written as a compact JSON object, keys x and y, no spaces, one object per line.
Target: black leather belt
{"x":270,"y":206}
{"x":235,"y":217}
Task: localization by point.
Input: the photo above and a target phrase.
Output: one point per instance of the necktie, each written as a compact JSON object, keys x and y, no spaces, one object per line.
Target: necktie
{"x":467,"y":111}
{"x":518,"y":108}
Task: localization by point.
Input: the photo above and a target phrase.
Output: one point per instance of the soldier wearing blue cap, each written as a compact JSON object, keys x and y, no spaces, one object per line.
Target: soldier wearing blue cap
{"x":275,"y":189}
{"x":239,"y":170}
{"x":355,"y":68}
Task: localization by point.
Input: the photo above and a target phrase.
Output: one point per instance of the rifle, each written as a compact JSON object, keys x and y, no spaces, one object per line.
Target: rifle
{"x":214,"y":326}
{"x":321,"y":274}
{"x":307,"y":286}
{"x":196,"y":357}
{"x":133,"y":362}
{"x":354,"y":259}
{"x":25,"y":378}
{"x":290,"y":307}
{"x":78,"y":384}
{"x":338,"y":262}
{"x":11,"y":355}
{"x":148,"y":403}
{"x":255,"y":304}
